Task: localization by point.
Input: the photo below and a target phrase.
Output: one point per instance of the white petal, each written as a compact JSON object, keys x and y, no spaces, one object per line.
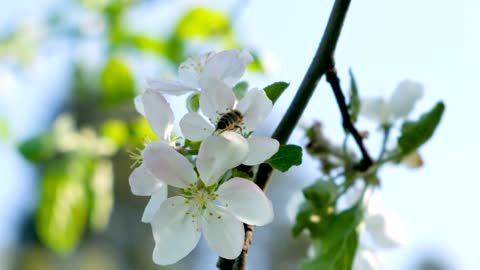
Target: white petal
{"x":154,"y":204}
{"x":246,"y":201}
{"x":138,"y":102}
{"x":260,"y":149}
{"x":223,"y":232}
{"x":158,"y":113}
{"x":255,"y":107}
{"x":190,"y":70}
{"x":217,"y":154}
{"x":168,"y":165}
{"x":216,"y":98}
{"x":143,"y":183}
{"x":175,"y":232}
{"x":366,"y":260}
{"x":385,"y":231}
{"x":195,"y":127}
{"x":404,"y":97}
{"x":168,"y":87}
{"x":228,"y":66}
{"x":376,"y":109}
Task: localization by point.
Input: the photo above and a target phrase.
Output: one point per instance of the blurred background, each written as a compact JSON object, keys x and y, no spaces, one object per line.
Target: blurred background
{"x":69,"y":71}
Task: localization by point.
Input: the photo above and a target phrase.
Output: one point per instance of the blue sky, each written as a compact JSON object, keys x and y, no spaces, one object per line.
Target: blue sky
{"x":383,"y":42}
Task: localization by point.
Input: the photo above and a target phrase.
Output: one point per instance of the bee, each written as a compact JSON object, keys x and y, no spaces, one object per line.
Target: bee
{"x":229,"y":121}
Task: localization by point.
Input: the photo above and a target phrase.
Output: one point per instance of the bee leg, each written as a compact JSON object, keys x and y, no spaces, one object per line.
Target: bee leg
{"x":239,"y":127}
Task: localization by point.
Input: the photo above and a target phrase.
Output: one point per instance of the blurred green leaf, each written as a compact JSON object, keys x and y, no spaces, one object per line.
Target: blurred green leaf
{"x":354,"y":102}
{"x":62,"y":212}
{"x":147,"y":43}
{"x":101,"y":190}
{"x":256,"y":65}
{"x":141,"y":131}
{"x":303,"y":218}
{"x":202,"y":23}
{"x":4,"y":129}
{"x":415,"y":134}
{"x":39,"y":148}
{"x":116,"y":130}
{"x":117,"y":82}
{"x":321,"y":194}
{"x":287,"y":156}
{"x":276,"y":89}
{"x":175,"y":50}
{"x":240,"y":89}
{"x":193,"y":102}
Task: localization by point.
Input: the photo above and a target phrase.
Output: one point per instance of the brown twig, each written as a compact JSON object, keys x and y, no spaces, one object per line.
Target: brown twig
{"x":321,"y":63}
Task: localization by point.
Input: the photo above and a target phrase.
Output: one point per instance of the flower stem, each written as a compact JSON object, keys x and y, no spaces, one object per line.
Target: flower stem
{"x":321,"y":63}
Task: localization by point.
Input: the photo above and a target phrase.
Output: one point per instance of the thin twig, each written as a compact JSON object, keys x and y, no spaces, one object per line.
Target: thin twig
{"x":334,"y":81}
{"x":321,"y":63}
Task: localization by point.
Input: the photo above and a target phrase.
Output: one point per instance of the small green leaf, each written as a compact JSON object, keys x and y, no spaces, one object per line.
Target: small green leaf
{"x":193,"y":102}
{"x":415,"y":134}
{"x":321,"y":194}
{"x":4,"y":129}
{"x":302,"y":220}
{"x":147,"y":43}
{"x":240,"y":89}
{"x":39,"y":148}
{"x":202,"y":23}
{"x":274,"y":90}
{"x":354,"y":104}
{"x":116,"y":130}
{"x":117,"y":83}
{"x":256,"y":65}
{"x":101,"y":190}
{"x":62,"y":211}
{"x":287,"y":156}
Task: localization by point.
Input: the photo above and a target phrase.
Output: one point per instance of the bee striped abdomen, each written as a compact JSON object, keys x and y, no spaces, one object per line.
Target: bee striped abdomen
{"x":229,"y":121}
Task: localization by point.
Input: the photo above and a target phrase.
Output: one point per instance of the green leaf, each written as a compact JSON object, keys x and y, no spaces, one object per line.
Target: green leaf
{"x":175,"y":49}
{"x":116,"y":130}
{"x":274,"y":90}
{"x":147,"y":44}
{"x":302,"y":220}
{"x":4,"y":129}
{"x":39,"y":148}
{"x":287,"y":156}
{"x":354,"y":103}
{"x":321,"y":194}
{"x":240,"y":89}
{"x":62,"y":212}
{"x":117,"y":83}
{"x":202,"y":23}
{"x":256,"y":65}
{"x":415,"y":134}
{"x":339,"y":257}
{"x":337,"y":242}
{"x":193,"y":102}
{"x":101,"y":190}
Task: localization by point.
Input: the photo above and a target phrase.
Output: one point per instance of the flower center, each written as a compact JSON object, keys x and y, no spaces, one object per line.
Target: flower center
{"x":201,"y":196}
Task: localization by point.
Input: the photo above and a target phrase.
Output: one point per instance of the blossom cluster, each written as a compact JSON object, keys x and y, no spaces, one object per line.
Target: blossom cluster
{"x":208,"y":198}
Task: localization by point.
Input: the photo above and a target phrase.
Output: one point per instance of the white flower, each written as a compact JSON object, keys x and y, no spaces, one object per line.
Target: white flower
{"x":226,"y":66}
{"x":400,"y":104}
{"x":160,"y":117}
{"x":217,"y":99}
{"x":218,"y":213}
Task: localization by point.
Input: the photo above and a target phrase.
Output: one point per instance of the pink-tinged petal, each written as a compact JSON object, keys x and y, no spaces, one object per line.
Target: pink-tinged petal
{"x":228,"y":66}
{"x":175,"y":231}
{"x":224,"y":233}
{"x":168,"y":165}
{"x":217,"y":154}
{"x":246,"y":201}
{"x":404,"y":97}
{"x":255,"y":107}
{"x":190,"y":70}
{"x":154,"y":204}
{"x":143,"y":183}
{"x":158,"y":113}
{"x":169,"y":87}
{"x":376,"y":109}
{"x":138,"y":102}
{"x":216,"y":98}
{"x":260,"y":149}
{"x":195,"y":127}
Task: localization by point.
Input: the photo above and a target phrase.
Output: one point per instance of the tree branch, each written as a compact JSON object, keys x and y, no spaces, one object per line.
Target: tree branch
{"x":321,"y":63}
{"x":334,"y":82}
